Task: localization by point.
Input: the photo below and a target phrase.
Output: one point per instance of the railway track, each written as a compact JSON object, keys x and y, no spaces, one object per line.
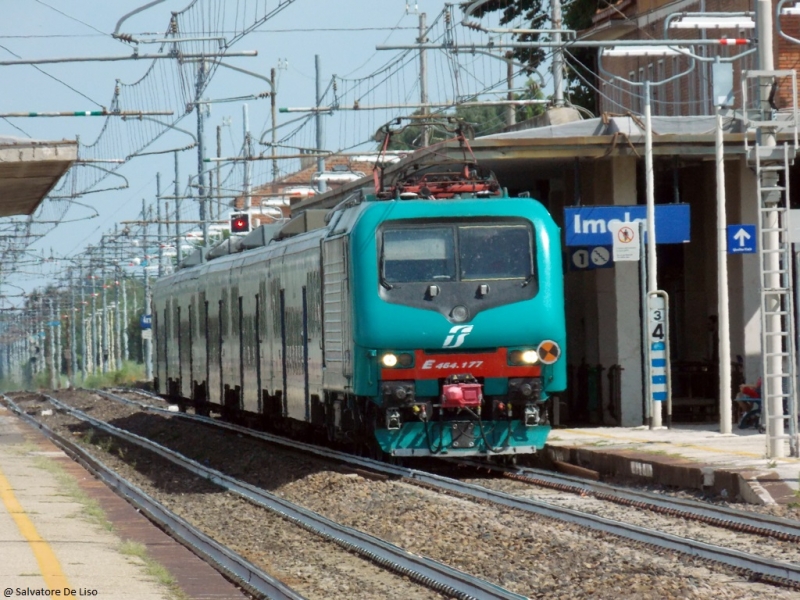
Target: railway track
{"x":769,"y":526}
{"x":437,"y":577}
{"x":752,"y":568}
{"x":756,"y":524}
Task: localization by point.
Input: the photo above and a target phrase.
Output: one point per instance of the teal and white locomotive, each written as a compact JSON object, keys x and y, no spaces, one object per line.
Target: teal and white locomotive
{"x":427,"y":321}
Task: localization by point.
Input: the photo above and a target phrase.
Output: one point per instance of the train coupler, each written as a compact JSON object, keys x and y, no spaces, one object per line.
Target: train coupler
{"x":461,"y":391}
{"x":531,"y":416}
{"x":393,"y":422}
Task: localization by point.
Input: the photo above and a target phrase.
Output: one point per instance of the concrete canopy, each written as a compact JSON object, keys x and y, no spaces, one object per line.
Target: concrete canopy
{"x":29,"y":169}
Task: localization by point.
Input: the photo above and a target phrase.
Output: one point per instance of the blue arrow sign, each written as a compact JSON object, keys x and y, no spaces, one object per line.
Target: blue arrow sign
{"x":742,"y":239}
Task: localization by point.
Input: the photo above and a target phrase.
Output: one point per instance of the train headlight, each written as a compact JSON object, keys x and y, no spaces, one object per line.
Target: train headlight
{"x":405,"y":359}
{"x":549,"y":351}
{"x":523,"y":357}
{"x":459,"y":314}
{"x":401,"y":360}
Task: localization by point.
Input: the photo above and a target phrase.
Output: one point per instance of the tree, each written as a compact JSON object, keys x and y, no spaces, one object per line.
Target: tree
{"x":483,"y":120}
{"x":577,"y":15}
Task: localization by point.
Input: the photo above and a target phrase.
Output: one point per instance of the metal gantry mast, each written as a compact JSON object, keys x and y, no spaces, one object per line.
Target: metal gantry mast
{"x":771,"y":163}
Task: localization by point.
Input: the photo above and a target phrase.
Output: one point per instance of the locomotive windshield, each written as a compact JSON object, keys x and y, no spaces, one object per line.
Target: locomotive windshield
{"x":462,"y":252}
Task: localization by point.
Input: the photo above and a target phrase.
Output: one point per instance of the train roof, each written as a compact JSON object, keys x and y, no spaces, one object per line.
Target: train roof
{"x":439,"y":183}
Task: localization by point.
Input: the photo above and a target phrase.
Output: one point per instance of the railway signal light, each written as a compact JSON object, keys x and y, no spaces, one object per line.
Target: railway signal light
{"x":240,"y":223}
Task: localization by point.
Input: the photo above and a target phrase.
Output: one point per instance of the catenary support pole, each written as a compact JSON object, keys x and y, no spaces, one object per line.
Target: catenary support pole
{"x":177,"y":213}
{"x":247,"y":154}
{"x":723,"y":318}
{"x":318,"y":120}
{"x":84,"y":329}
{"x":652,"y":275}
{"x":772,"y":382}
{"x":274,"y":112}
{"x":104,"y":316}
{"x":558,"y":56}
{"x":423,"y":76}
{"x":52,"y":346}
{"x":511,"y":111}
{"x":59,"y":341}
{"x":201,"y":153}
{"x":648,"y":406}
{"x":147,"y":342}
{"x":73,"y":315}
{"x":159,"y":228}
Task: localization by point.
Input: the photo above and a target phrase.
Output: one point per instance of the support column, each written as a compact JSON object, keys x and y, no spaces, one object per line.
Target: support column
{"x":745,"y":299}
{"x":618,"y":326}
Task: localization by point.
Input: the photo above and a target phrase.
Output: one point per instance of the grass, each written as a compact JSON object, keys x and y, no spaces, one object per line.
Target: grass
{"x":130,"y":373}
{"x":154,"y":569}
{"x":795,"y":505}
{"x":93,"y":512}
{"x":10,"y":385}
{"x":90,"y":509}
{"x":661,"y":453}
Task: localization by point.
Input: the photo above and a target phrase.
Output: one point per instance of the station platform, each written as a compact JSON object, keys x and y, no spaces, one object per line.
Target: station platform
{"x":693,"y":456}
{"x":65,"y":534}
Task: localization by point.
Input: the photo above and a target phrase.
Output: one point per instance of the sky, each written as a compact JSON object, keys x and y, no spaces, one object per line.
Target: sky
{"x":342,"y":33}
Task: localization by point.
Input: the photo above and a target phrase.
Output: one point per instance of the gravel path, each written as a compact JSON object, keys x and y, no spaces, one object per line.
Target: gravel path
{"x":533,"y":556}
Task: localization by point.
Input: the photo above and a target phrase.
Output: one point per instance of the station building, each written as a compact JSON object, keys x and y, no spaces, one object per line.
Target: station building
{"x":572,"y":163}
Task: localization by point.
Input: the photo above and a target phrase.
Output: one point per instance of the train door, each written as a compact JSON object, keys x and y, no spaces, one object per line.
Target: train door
{"x":221,"y":347}
{"x":207,"y":336}
{"x":259,"y":382}
{"x":157,"y":351}
{"x":284,"y":373}
{"x":305,"y":357}
{"x":240,"y":325}
{"x":179,"y":345}
{"x":336,"y":314}
{"x":191,"y":332}
{"x":314,"y":344}
{"x":212,"y":343}
{"x":167,"y":361}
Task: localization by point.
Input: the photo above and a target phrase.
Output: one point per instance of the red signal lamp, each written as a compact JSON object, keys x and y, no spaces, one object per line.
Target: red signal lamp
{"x":240,"y":223}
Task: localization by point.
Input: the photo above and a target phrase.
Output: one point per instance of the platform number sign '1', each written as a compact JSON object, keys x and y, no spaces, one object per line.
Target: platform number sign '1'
{"x":658,"y":338}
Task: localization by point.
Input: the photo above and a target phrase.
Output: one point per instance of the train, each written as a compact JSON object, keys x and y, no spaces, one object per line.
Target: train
{"x":426,"y":320}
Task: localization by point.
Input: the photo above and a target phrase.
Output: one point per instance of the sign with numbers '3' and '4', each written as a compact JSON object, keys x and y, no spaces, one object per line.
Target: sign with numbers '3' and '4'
{"x":658,"y":345}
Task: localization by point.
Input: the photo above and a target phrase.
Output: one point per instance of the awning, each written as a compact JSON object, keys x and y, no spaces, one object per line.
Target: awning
{"x":29,"y":169}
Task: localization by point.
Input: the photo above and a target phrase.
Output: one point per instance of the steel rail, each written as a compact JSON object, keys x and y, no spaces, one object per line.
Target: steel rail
{"x":250,"y":577}
{"x":769,"y":570}
{"x":425,"y":571}
{"x":754,"y":523}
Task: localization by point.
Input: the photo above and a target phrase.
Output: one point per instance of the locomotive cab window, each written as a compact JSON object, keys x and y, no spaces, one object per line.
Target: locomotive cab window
{"x":472,"y":251}
{"x":494,"y":252}
{"x":425,"y":254}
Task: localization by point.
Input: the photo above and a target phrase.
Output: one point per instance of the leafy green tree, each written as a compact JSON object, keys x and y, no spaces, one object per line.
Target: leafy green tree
{"x":483,"y":120}
{"x":577,"y":15}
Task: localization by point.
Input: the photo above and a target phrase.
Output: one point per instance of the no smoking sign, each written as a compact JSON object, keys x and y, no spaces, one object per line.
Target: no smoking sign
{"x":626,"y":241}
